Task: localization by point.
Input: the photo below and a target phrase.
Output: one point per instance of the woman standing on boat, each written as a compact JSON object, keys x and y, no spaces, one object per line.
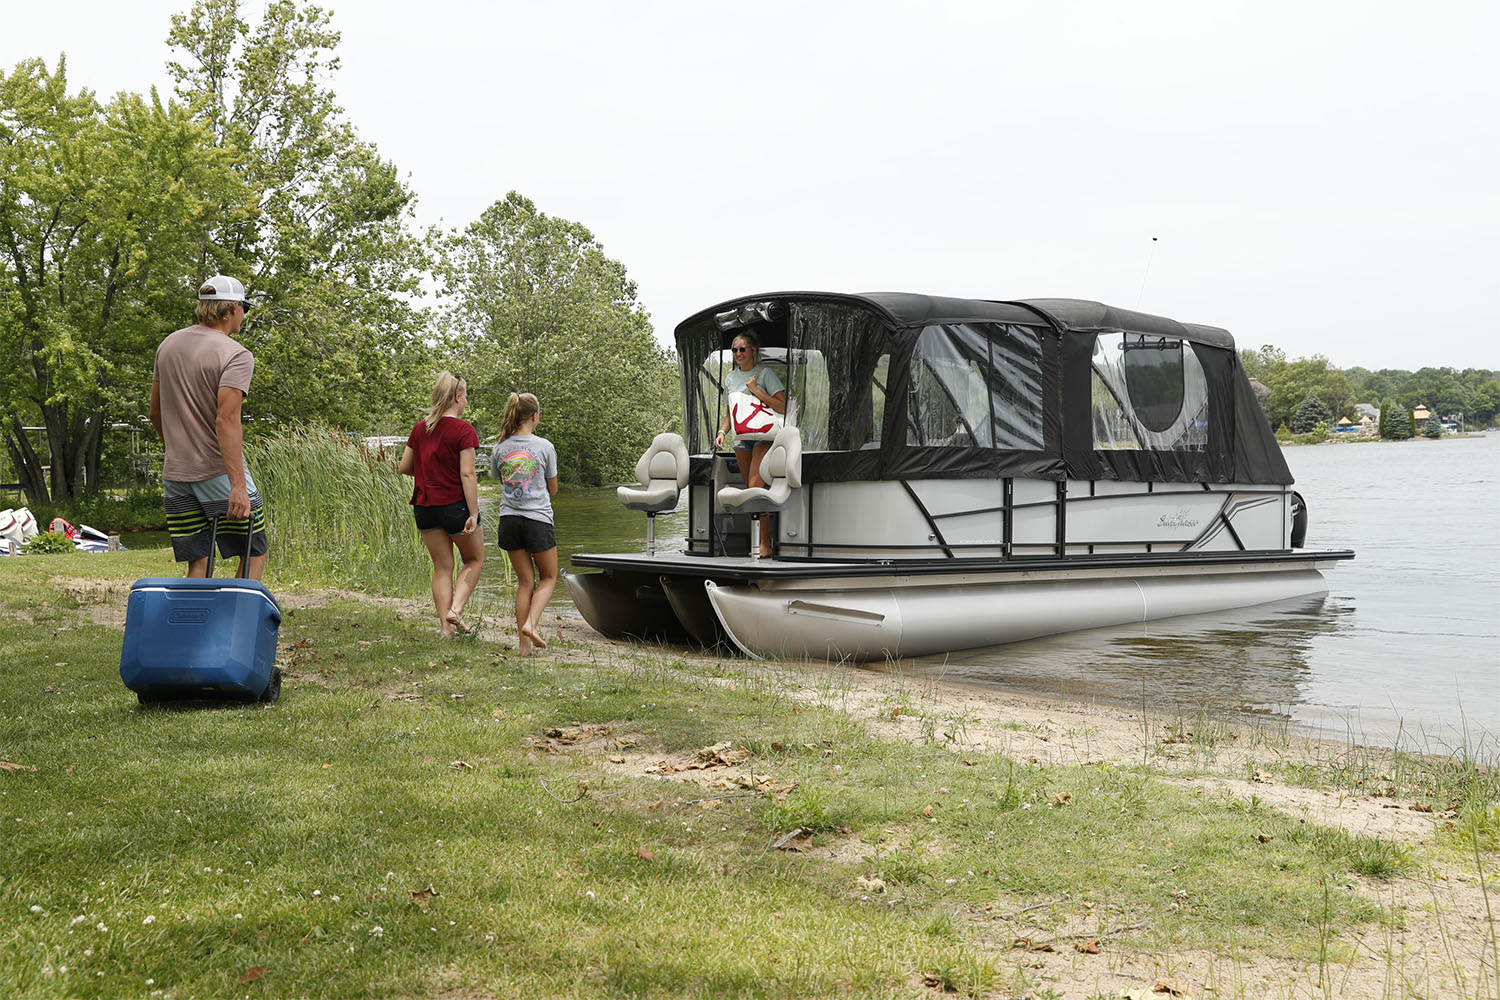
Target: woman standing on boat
{"x":762,"y":384}
{"x":526,"y":466}
{"x":439,"y":456}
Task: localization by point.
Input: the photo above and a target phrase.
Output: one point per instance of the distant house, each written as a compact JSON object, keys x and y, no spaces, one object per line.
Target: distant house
{"x":1420,"y":416}
{"x":1367,"y":410}
{"x":1262,"y":393}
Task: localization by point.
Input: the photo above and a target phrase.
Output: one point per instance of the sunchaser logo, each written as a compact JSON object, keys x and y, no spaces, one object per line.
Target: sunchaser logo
{"x":1182,"y":517}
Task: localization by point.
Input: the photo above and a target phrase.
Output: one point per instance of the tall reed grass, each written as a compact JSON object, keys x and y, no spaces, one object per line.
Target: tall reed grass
{"x":339,"y":513}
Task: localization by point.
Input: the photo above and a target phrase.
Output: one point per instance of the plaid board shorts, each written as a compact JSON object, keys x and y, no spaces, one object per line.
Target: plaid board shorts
{"x":191,"y":508}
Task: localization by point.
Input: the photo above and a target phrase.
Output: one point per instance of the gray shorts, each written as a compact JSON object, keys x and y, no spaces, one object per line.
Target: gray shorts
{"x":192,"y":508}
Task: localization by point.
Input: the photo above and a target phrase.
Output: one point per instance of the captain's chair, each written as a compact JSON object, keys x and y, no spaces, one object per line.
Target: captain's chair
{"x":663,"y":472}
{"x":781,"y":468}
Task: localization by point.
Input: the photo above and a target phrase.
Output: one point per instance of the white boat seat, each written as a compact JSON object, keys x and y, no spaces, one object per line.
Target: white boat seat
{"x":781,"y":468}
{"x":662,"y":471}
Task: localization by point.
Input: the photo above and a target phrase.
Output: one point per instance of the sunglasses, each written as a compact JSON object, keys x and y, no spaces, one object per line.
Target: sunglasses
{"x":739,"y":350}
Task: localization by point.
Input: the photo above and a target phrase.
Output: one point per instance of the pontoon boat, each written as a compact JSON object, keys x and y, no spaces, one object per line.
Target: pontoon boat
{"x":957,"y":473}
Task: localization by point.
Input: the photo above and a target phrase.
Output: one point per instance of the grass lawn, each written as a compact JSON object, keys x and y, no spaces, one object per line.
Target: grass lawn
{"x":418,"y":818}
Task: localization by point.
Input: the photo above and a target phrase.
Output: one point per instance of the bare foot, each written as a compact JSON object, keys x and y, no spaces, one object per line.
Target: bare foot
{"x":523,"y":644}
{"x":530,"y":632}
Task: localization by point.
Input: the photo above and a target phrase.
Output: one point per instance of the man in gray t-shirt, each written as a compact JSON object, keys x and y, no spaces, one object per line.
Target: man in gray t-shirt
{"x":197,"y":388}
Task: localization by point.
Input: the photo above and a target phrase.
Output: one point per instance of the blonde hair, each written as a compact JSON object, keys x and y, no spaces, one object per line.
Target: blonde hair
{"x":211,"y":312}
{"x":751,"y":341}
{"x":519,"y":408}
{"x":444,"y":391}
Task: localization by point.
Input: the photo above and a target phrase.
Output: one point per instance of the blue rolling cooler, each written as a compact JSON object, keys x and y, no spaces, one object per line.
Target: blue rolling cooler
{"x":201,"y":638}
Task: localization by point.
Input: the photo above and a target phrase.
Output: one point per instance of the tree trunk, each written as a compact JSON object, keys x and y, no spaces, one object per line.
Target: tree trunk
{"x":59,"y":459}
{"x":74,"y":451}
{"x":28,"y":465}
{"x":92,"y":446}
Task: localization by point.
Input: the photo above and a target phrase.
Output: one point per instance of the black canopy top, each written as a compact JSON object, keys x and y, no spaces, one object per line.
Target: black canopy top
{"x":927,"y":386}
{"x":1081,"y":315}
{"x":900,"y":310}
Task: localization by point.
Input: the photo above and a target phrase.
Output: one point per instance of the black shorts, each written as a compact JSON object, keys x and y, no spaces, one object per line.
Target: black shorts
{"x":518,"y":532}
{"x":450,"y":517}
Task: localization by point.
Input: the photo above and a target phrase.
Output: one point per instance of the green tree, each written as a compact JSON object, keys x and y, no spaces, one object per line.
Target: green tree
{"x":330,"y":253}
{"x":1291,"y":382}
{"x":539,"y":308}
{"x":1395,"y":421}
{"x":1485,"y":405}
{"x":1433,"y":428}
{"x":1260,"y":365}
{"x":1442,"y":390}
{"x":1371,"y":387}
{"x":1310,"y":413}
{"x":103,"y":211}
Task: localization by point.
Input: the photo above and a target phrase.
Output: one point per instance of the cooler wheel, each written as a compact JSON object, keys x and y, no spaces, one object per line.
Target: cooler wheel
{"x":273,"y":689}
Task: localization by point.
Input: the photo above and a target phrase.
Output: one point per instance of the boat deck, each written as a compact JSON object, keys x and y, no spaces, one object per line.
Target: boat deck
{"x":743,"y":569}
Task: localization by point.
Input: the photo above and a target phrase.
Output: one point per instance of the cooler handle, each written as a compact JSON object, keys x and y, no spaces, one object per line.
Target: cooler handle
{"x":213,"y":547}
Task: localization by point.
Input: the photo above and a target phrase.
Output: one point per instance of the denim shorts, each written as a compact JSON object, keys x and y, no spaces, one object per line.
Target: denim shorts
{"x":450,"y":517}
{"x":527,"y":533}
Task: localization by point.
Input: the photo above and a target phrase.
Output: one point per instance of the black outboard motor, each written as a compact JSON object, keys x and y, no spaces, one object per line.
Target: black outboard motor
{"x":1299,"y":520}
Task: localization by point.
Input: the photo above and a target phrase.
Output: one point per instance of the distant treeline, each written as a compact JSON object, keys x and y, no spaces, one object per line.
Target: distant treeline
{"x":1470,"y":396}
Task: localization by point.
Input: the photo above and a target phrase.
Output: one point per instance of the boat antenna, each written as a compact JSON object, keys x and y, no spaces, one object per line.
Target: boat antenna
{"x":1149,"y":255}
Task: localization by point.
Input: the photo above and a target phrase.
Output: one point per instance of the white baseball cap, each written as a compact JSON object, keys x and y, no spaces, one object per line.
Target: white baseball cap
{"x":221,"y":287}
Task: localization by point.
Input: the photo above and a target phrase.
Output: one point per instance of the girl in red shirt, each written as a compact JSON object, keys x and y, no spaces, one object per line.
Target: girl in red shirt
{"x":439,"y":456}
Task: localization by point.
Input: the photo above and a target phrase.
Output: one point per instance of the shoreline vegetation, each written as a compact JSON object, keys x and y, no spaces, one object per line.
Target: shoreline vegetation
{"x":1290,"y":440}
{"x":428,"y":818}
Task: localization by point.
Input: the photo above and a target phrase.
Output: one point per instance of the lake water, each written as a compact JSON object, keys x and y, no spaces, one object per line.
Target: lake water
{"x":1405,"y":648}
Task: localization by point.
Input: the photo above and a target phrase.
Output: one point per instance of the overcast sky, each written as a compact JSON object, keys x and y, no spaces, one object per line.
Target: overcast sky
{"x":1318,"y":176}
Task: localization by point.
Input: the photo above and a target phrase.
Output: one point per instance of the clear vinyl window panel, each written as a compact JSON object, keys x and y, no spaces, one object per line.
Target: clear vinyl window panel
{"x":836,"y":376}
{"x":976,"y":385}
{"x":1148,"y":393}
{"x":950,"y":401}
{"x":832,"y":358}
